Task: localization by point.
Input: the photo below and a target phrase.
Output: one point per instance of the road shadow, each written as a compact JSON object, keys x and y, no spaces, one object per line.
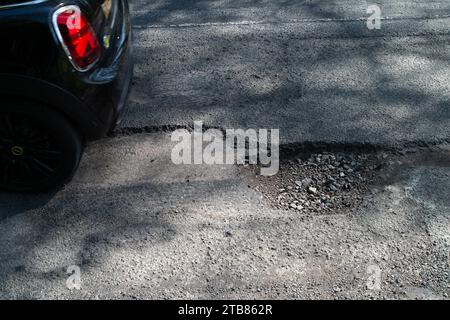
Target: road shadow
{"x":13,"y":204}
{"x":320,"y":80}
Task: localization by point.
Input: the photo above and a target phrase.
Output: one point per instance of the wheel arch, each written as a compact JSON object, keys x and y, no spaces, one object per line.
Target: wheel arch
{"x":43,"y":92}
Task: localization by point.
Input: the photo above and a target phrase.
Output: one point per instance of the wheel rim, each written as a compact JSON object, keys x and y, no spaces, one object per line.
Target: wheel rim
{"x":28,"y":153}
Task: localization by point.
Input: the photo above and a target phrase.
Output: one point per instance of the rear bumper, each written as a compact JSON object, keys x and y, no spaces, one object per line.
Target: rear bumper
{"x":111,"y":82}
{"x":124,"y":87}
{"x":109,"y":98}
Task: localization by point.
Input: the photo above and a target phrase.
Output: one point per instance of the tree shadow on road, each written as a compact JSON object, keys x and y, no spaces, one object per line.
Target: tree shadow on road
{"x":245,"y":78}
{"x":14,"y":204}
{"x":313,"y":85}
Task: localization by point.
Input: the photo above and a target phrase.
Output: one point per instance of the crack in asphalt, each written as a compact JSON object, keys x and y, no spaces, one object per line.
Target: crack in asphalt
{"x":359,"y":31}
{"x":128,"y":131}
{"x":287,"y":149}
{"x":286,"y":22}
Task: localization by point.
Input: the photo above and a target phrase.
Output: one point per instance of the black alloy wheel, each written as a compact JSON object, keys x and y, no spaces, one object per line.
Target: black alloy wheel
{"x":39,"y":149}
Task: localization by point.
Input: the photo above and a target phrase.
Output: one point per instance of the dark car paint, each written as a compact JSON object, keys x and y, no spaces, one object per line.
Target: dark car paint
{"x":34,"y":66}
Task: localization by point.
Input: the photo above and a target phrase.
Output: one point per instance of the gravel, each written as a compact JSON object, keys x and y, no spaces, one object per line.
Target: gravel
{"x":321,"y":183}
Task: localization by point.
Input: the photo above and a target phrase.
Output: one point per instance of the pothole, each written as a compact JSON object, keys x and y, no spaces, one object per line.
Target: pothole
{"x":334,"y":181}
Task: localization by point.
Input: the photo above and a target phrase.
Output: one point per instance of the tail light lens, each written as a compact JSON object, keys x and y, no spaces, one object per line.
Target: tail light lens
{"x":77,"y":37}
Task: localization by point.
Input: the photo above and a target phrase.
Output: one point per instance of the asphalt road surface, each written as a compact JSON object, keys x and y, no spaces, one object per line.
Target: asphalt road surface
{"x":139,"y":226}
{"x":310,"y":68}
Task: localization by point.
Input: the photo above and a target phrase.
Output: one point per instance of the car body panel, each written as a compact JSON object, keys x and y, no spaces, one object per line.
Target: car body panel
{"x":33,"y":64}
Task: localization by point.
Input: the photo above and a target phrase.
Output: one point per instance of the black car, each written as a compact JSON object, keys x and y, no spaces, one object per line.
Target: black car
{"x":65,"y":71}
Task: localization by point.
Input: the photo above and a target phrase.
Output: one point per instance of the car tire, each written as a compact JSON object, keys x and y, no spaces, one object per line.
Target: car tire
{"x":40,"y":149}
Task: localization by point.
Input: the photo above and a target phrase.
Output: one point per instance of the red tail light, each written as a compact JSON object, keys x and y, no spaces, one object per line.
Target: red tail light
{"x":77,"y":37}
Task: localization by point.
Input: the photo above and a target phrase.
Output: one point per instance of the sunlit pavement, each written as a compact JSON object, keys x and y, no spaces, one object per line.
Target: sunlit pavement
{"x":138,"y":226}
{"x":310,"y":68}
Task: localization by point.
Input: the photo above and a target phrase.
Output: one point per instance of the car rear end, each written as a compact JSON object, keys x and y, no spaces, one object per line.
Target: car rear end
{"x":108,"y":73}
{"x":38,"y":44}
{"x":64,"y":80}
